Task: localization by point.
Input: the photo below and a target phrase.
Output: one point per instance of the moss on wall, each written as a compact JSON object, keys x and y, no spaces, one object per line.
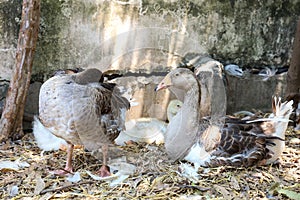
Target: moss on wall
{"x":112,"y":34}
{"x":244,"y":32}
{"x":10,"y":16}
{"x":52,"y":43}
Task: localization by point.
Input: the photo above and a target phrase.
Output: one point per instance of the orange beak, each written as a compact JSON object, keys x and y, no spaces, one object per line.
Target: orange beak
{"x":165,"y":83}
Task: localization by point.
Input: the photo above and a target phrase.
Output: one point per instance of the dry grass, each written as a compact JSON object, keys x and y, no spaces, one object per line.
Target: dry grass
{"x":155,"y":178}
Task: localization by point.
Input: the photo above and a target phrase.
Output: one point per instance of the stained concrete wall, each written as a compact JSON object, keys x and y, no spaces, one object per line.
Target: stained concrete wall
{"x":252,"y":93}
{"x":147,"y":36}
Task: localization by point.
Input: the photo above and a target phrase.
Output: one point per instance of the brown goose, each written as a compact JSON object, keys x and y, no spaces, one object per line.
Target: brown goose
{"x":206,"y":141}
{"x":81,"y":110}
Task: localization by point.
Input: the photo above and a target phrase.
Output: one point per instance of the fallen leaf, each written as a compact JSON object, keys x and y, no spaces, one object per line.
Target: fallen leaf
{"x":40,"y":185}
{"x":47,"y":196}
{"x":118,"y":181}
{"x":13,"y":191}
{"x":74,"y":178}
{"x":223,"y":191}
{"x":98,"y":178}
{"x":295,"y":141}
{"x":124,"y":170}
{"x":235,"y":183}
{"x":15,"y":166}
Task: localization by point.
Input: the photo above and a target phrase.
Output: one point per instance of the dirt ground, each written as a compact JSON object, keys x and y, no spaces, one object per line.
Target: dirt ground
{"x":155,"y":176}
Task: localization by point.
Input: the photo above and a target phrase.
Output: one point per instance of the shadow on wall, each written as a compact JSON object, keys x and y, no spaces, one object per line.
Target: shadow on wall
{"x":112,"y":35}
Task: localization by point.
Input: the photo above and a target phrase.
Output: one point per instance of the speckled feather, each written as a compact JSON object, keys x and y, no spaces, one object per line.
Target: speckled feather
{"x":74,"y":110}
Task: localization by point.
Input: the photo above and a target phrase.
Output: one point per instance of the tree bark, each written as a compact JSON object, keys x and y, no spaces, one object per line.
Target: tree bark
{"x":293,"y":75}
{"x":12,"y":116}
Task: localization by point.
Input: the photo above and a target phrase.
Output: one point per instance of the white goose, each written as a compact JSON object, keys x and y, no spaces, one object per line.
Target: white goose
{"x":148,"y":130}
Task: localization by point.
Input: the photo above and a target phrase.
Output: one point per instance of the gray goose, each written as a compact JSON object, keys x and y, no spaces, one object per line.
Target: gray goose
{"x":83,"y":111}
{"x":207,"y":141}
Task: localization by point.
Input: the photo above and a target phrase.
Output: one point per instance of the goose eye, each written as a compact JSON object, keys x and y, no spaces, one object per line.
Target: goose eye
{"x":176,"y":74}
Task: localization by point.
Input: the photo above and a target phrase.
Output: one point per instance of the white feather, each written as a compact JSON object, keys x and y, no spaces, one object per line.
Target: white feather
{"x":44,"y":138}
{"x":189,"y":172}
{"x":198,"y":155}
{"x":281,"y":118}
{"x":267,"y":73}
{"x":269,"y":119}
{"x":234,"y":70}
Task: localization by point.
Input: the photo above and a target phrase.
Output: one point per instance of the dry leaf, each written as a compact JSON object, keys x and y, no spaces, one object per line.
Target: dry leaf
{"x":47,"y":196}
{"x":124,"y":170}
{"x":13,"y":191}
{"x":98,"y":178}
{"x":74,"y":178}
{"x":40,"y":184}
{"x":223,"y":191}
{"x":235,"y":183}
{"x":15,"y":166}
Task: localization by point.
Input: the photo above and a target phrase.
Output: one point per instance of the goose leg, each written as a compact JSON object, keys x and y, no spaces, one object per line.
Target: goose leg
{"x":68,"y":168}
{"x":104,"y":170}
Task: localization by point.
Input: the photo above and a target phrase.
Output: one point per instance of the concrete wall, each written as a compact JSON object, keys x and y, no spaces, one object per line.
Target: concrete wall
{"x":145,"y":34}
{"x":149,"y":36}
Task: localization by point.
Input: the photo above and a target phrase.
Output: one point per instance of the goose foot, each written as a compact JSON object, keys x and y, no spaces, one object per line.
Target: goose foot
{"x":104,"y":171}
{"x":62,"y":172}
{"x":68,"y":168}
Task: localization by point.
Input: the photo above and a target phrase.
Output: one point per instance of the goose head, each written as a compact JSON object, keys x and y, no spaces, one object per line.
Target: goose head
{"x":173,"y":108}
{"x":180,"y":78}
{"x":90,"y":75}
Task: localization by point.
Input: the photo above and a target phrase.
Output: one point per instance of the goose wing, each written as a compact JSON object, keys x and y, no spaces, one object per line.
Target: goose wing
{"x":99,"y":119}
{"x":113,"y":112}
{"x":242,"y":148}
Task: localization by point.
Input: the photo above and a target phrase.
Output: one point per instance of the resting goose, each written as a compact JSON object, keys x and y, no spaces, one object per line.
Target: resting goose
{"x":207,"y":141}
{"x":81,"y":110}
{"x":148,"y":130}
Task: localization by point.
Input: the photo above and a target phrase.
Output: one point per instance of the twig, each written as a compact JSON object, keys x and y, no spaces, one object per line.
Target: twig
{"x":66,"y":186}
{"x":202,"y":189}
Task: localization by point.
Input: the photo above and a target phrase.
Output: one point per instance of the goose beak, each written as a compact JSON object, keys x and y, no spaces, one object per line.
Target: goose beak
{"x":165,"y":83}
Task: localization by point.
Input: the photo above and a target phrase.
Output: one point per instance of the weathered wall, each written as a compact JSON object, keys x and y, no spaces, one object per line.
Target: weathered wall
{"x":148,"y":33}
{"x":10,"y":13}
{"x":144,"y":36}
{"x":253,"y":93}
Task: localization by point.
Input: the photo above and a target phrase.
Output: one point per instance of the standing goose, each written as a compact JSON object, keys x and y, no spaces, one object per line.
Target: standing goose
{"x":207,"y":141}
{"x":81,"y":110}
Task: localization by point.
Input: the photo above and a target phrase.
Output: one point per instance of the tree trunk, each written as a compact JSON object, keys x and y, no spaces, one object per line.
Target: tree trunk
{"x":293,"y":76}
{"x":12,"y":116}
